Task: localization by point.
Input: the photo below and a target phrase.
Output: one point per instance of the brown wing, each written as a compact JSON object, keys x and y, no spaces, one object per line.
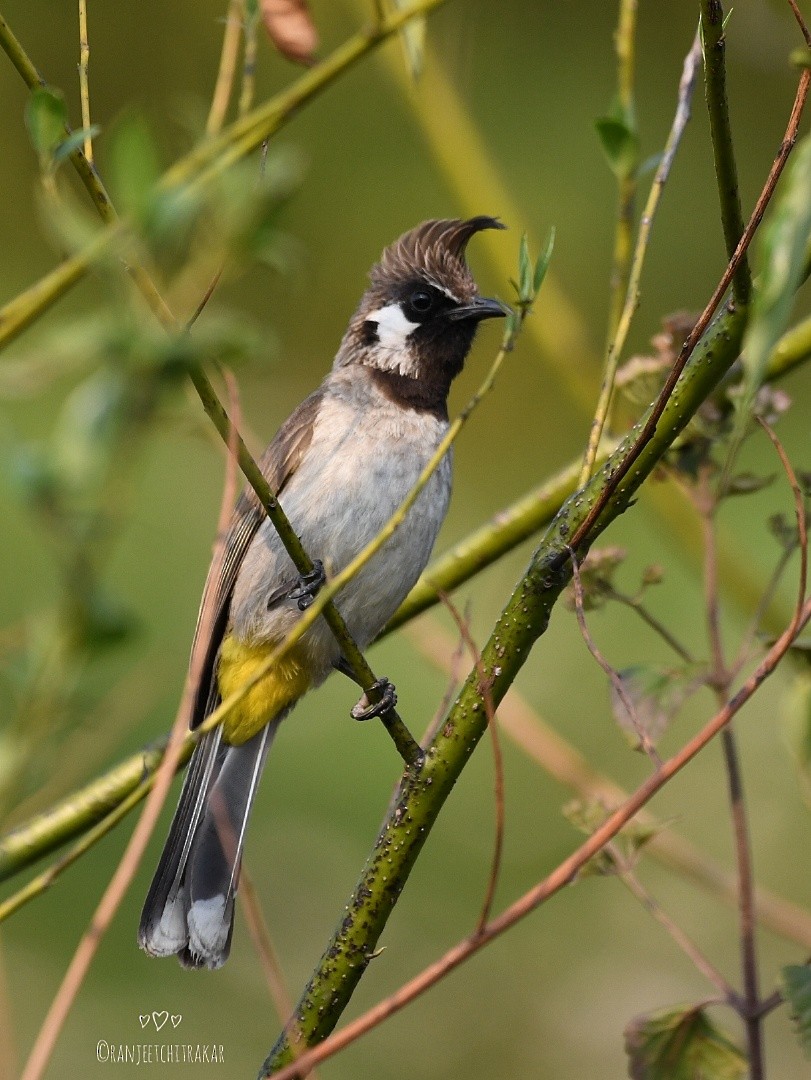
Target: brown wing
{"x":278,"y":463}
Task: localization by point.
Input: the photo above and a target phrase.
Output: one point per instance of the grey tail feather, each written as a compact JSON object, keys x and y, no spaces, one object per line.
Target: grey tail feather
{"x":189,"y":910}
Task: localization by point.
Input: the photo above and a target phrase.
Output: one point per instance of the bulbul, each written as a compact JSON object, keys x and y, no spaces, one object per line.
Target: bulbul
{"x":343,"y":462}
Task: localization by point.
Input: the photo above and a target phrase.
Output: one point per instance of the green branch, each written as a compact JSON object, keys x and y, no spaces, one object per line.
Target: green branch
{"x":214,"y":154}
{"x":507,"y":528}
{"x":714,"y":46}
{"x":525,"y":617}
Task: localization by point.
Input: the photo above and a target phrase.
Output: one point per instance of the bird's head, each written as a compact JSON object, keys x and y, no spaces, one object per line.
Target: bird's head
{"x":418,"y":318}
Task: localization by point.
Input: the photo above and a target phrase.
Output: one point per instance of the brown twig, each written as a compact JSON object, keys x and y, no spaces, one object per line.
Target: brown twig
{"x":649,"y":428}
{"x":614,"y":676}
{"x":798,"y":16}
{"x":683,"y":940}
{"x":498,"y":760}
{"x":547,"y":748}
{"x":561,"y":876}
{"x":128,"y":865}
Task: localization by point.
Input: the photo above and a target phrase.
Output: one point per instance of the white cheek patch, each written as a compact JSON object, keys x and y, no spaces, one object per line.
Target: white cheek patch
{"x":393,"y":328}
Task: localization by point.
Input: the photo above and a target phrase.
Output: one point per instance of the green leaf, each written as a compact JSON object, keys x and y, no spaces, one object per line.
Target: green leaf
{"x":46,"y":118}
{"x":655,"y":694}
{"x":797,"y":988}
{"x":796,"y":717}
{"x":620,"y":145}
{"x":74,"y":141}
{"x":681,"y":1044}
{"x":524,"y":270}
{"x":544,"y":259}
{"x":783,"y":247}
{"x":134,"y":165}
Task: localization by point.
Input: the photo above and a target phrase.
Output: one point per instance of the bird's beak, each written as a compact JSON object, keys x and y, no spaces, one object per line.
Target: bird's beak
{"x":480,"y":308}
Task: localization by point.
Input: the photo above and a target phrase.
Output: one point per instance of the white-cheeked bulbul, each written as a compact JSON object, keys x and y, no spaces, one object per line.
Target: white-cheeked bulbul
{"x":343,"y":463}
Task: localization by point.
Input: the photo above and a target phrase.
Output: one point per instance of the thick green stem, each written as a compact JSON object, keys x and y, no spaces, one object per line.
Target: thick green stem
{"x":714,"y":45}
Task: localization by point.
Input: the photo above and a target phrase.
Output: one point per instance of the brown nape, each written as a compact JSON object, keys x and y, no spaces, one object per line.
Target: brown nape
{"x":417,"y":394}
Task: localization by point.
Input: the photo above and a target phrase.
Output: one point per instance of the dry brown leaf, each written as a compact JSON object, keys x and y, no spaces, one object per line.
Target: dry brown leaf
{"x":291,"y":29}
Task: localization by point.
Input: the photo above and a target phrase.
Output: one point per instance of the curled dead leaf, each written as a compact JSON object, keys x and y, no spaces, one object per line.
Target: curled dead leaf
{"x":291,"y":29}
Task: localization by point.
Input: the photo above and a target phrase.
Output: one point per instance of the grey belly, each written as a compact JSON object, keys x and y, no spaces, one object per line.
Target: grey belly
{"x":338,"y":503}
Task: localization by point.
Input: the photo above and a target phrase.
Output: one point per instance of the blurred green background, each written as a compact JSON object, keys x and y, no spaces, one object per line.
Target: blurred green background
{"x":551,"y":998}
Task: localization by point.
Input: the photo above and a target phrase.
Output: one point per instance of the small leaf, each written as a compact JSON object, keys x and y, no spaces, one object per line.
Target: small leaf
{"x":74,"y":141}
{"x":135,"y":165}
{"x":544,"y":259}
{"x":797,"y":988}
{"x":620,"y":145}
{"x":681,"y":1044}
{"x":655,"y":694}
{"x":747,"y":483}
{"x":652,"y":575}
{"x":524,"y":270}
{"x":46,"y":118}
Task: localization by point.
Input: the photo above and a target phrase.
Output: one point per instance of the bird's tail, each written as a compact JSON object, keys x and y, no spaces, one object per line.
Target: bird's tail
{"x":189,"y":910}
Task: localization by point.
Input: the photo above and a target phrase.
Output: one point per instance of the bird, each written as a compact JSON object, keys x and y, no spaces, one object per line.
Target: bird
{"x":342,"y":463}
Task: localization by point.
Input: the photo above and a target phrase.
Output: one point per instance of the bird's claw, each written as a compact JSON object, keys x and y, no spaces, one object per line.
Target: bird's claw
{"x":308,"y":585}
{"x":366,"y":710}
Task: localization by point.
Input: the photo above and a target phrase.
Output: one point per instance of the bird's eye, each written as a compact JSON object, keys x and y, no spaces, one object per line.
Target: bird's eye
{"x":421,"y":301}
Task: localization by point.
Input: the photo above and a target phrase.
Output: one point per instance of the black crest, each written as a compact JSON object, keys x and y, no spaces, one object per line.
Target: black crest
{"x":434,"y":251}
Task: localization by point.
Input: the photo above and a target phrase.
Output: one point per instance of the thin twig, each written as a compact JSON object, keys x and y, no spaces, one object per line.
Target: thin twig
{"x":84,"y":84}
{"x":617,"y":342}
{"x":548,"y":749}
{"x":803,"y":27}
{"x":614,"y":677}
{"x":682,"y":939}
{"x":562,"y":876}
{"x":651,"y":621}
{"x":128,"y":864}
{"x":649,"y":427}
{"x":226,"y":71}
{"x":746,"y":905}
{"x":248,"y":89}
{"x":625,"y":44}
{"x":498,"y":761}
{"x":706,"y":501}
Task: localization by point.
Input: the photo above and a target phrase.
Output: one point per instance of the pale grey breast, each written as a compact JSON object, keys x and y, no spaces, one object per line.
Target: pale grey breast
{"x":365,"y":456}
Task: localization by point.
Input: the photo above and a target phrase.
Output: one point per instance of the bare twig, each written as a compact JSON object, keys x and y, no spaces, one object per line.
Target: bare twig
{"x":226,"y":72}
{"x":620,"y":334}
{"x":84,"y":85}
{"x":614,"y":677}
{"x":547,"y":748}
{"x":652,"y":622}
{"x":563,"y":874}
{"x":114,"y":893}
{"x":498,"y":760}
{"x":682,"y":939}
{"x":649,"y":428}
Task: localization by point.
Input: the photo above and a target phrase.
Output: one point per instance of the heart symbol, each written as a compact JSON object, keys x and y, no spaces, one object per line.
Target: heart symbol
{"x":144,"y":1019}
{"x":175,"y":1020}
{"x":160,"y":1019}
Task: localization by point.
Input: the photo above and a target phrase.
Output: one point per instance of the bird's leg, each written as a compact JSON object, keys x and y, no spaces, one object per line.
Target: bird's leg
{"x":366,"y":709}
{"x":307,"y":586}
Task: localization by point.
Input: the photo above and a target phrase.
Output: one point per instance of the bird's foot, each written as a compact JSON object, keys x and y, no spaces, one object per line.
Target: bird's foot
{"x":307,"y":586}
{"x":365,"y":709}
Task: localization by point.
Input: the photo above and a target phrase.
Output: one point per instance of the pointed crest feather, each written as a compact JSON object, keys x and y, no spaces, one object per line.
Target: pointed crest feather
{"x":434,"y":250}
